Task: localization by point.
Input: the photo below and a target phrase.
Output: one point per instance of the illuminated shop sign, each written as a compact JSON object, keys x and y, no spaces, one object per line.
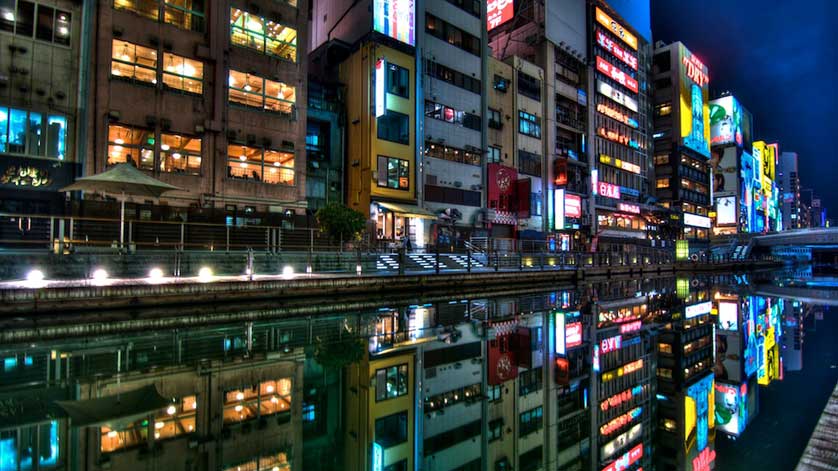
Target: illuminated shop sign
{"x":498,"y":12}
{"x":617,"y":96}
{"x":380,"y":97}
{"x":595,"y":181}
{"x":608,"y":190}
{"x":624,"y":462}
{"x":558,"y":210}
{"x":726,"y":210}
{"x":611,"y":343}
{"x":573,"y":335}
{"x":728,"y":315}
{"x":595,"y":359}
{"x":696,"y":221}
{"x":704,"y":460}
{"x":616,"y":136}
{"x":695,"y":69}
{"x":616,"y":28}
{"x":621,"y":398}
{"x":729,"y":123}
{"x":620,"y":441}
{"x":698,"y":309}
{"x":609,"y":45}
{"x":629,"y":208}
{"x":25,"y":176}
{"x":618,"y":115}
{"x":396,"y":19}
{"x":616,"y":74}
{"x":621,"y":315}
{"x":560,"y":335}
{"x":629,"y":327}
{"x":620,"y":421}
{"x":572,"y":206}
{"x":377,"y":457}
{"x":628,"y":368}
{"x":694,"y":103}
{"x":621,"y":164}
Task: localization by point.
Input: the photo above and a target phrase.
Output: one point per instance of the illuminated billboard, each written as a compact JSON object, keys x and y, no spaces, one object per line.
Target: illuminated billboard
{"x":726,"y":210}
{"x":723,"y":169}
{"x":498,"y":12}
{"x":572,"y":206}
{"x":380,"y":97}
{"x":558,"y":210}
{"x":560,"y":335}
{"x":616,"y":96}
{"x":573,"y":334}
{"x":396,"y":19}
{"x":636,"y":13}
{"x":728,"y":315}
{"x":694,"y":109}
{"x":623,"y":439}
{"x":616,"y":74}
{"x":699,"y":415}
{"x":730,"y":123}
{"x":615,"y":28}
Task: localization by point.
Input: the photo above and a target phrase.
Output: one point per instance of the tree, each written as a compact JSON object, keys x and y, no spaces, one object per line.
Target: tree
{"x":339,"y":353}
{"x":340,"y":223}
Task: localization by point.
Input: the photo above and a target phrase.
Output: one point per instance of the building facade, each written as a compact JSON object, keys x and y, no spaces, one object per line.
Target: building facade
{"x":788,"y":176}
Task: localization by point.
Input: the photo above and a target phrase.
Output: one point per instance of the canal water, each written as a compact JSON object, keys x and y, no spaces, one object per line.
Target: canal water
{"x":690,"y":373}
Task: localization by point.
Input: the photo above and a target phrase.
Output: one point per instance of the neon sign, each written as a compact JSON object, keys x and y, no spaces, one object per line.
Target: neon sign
{"x":695,"y":70}
{"x":499,"y":12}
{"x":608,"y":190}
{"x":628,"y":459}
{"x":628,"y":368}
{"x":573,"y":334}
{"x":606,"y":43}
{"x":380,"y":65}
{"x":616,"y":28}
{"x":629,"y":208}
{"x":631,"y":327}
{"x":572,"y":206}
{"x":561,"y":347}
{"x":698,"y":309}
{"x":377,"y":457}
{"x":615,"y":136}
{"x":617,"y":115}
{"x":620,"y":398}
{"x":611,"y":343}
{"x":25,"y":176}
{"x":620,"y":421}
{"x":617,"y":96}
{"x":616,"y":74}
{"x":620,"y":441}
{"x":704,"y":459}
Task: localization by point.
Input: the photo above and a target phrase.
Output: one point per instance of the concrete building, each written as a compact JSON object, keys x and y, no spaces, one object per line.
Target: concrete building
{"x":682,"y":140}
{"x":209,"y":97}
{"x":325,"y":138}
{"x":42,"y":133}
{"x":788,"y":177}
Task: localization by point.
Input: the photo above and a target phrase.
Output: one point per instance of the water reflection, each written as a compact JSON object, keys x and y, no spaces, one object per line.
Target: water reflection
{"x":617,"y":375}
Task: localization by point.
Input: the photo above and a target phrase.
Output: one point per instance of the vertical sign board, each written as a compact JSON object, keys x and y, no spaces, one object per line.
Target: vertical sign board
{"x":377,"y":457}
{"x":498,"y":12}
{"x":695,"y":108}
{"x":380,"y":97}
{"x":561,"y":347}
{"x":559,"y":209}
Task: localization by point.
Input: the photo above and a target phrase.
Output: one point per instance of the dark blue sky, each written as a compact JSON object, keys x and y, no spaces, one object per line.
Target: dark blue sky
{"x":780,"y":59}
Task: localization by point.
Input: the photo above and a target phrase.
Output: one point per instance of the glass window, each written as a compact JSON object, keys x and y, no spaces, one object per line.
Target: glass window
{"x":133,"y":62}
{"x":529,"y":86}
{"x":46,"y":18}
{"x":393,"y":173}
{"x":186,"y":14}
{"x":662,"y":183}
{"x":254,"y":91}
{"x":17,"y":131}
{"x":494,"y":155}
{"x":529,"y":124}
{"x":147,"y":8}
{"x":265,"y":36}
{"x":35,"y":135}
{"x":530,"y":421}
{"x":264,"y":399}
{"x":127,"y":436}
{"x":391,"y":430}
{"x":176,"y":419}
{"x":126,"y":143}
{"x":391,"y":382}
{"x":394,"y":127}
{"x":4,"y":129}
{"x":272,"y":462}
{"x":7,"y":15}
{"x":56,"y":136}
{"x":25,"y":18}
{"x":180,"y":154}
{"x":23,"y":132}
{"x":261,"y":165}
{"x":183,"y":74}
{"x":62,"y":28}
{"x":398,"y":80}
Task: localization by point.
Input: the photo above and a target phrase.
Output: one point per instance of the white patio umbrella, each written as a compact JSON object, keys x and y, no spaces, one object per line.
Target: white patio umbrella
{"x":122,"y":179}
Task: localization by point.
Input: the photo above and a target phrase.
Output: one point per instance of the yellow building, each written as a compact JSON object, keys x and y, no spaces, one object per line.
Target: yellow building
{"x":381,"y":145}
{"x":379,"y":412}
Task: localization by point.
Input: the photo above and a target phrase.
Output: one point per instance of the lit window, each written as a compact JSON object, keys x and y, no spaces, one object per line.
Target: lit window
{"x":265,"y":399}
{"x":665,"y":348}
{"x":268,"y":37}
{"x":662,"y":183}
{"x":186,"y":14}
{"x":184,"y":74}
{"x":176,"y":419}
{"x":180,"y":154}
{"x":257,"y":92}
{"x":261,"y":165}
{"x":271,"y":462}
{"x":133,"y":62}
{"x":34,"y":134}
{"x":393,"y":173}
{"x":127,"y":436}
{"x":48,"y":24}
{"x":664,"y":109}
{"x":126,"y":143}
{"x":147,"y":8}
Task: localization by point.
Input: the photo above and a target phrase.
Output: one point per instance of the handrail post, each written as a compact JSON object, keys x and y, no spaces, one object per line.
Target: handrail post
{"x":468,"y":261}
{"x":436,"y":260}
{"x":182,"y":234}
{"x":227,"y":244}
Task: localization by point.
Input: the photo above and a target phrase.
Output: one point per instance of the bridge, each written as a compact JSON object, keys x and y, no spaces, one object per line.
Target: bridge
{"x":791,"y":244}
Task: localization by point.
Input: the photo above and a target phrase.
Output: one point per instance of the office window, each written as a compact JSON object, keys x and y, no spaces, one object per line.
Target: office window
{"x":47,"y":23}
{"x":180,"y":154}
{"x":176,"y":419}
{"x":128,"y":143}
{"x":184,"y":74}
{"x":663,"y":109}
{"x":147,"y":8}
{"x":391,"y":430}
{"x":262,"y":35}
{"x":453,"y":77}
{"x":662,"y":159}
{"x":257,"y":92}
{"x":529,"y":86}
{"x":133,"y":62}
{"x":530,"y":421}
{"x":493,"y":156}
{"x":274,"y":462}
{"x":263,"y":399}
{"x":495,"y":121}
{"x":453,"y":154}
{"x":662,"y":183}
{"x":391,"y":382}
{"x":185,"y":14}
{"x":529,"y":124}
{"x":260,"y":165}
{"x":529,"y":163}
{"x":398,"y":80}
{"x":495,"y":430}
{"x":451,"y":34}
{"x":531,"y":460}
{"x":465,"y":394}
{"x":531,"y":380}
{"x":393,"y":173}
{"x":451,"y":115}
{"x":495,"y":393}
{"x":500,"y":84}
{"x":394,"y":127}
{"x":125,"y":436}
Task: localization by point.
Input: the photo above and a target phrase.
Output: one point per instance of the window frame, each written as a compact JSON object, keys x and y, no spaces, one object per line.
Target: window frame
{"x":46,"y":119}
{"x":389,"y":115}
{"x":262,"y":164}
{"x":265,"y":39}
{"x":532,"y":127}
{"x":240,"y":399}
{"x":399,"y":380}
{"x":11,"y":26}
{"x":399,"y":71}
{"x":401,"y":163}
{"x":160,"y":14}
{"x":263,"y":96}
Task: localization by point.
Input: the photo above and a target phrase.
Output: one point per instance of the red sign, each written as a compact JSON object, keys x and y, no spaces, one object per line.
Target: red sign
{"x":562,"y":371}
{"x":629,"y":208}
{"x":631,"y":327}
{"x":502,"y":364}
{"x":502,"y":186}
{"x":615,"y":136}
{"x":616,"y":74}
{"x":498,"y":12}
{"x":704,"y":459}
{"x":609,"y":45}
{"x":573,"y":334}
{"x":628,"y":459}
{"x":610,"y":344}
{"x":608,"y":190}
{"x":695,"y":70}
{"x":572,"y":206}
{"x":620,"y":398}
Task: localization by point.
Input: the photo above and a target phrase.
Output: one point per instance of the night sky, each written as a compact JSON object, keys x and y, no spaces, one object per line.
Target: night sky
{"x":780,"y":59}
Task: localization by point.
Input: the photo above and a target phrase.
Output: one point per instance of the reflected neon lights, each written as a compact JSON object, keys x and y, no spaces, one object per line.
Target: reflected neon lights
{"x":616,"y":74}
{"x":615,"y":136}
{"x":620,"y":421}
{"x":609,"y":45}
{"x":620,"y":398}
{"x":617,"y":115}
{"x":611,"y":343}
{"x":628,"y":459}
{"x":631,"y":327}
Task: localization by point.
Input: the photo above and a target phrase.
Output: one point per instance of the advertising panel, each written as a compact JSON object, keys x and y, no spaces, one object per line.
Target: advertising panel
{"x":558,"y":210}
{"x":723,"y":166}
{"x":572,"y":206}
{"x":636,"y":13}
{"x":608,"y":190}
{"x":608,"y":450}
{"x":699,"y":414}
{"x":573,"y":335}
{"x":625,"y":461}
{"x":726,"y":122}
{"x":613,"y":113}
{"x":770,"y":160}
{"x":501,"y":181}
{"x":617,"y":96}
{"x":730,"y":406}
{"x":498,"y":12}
{"x":729,"y":315}
{"x":728,"y":358}
{"x":615,"y":28}
{"x":698,"y":309}
{"x":696,"y":221}
{"x":502,"y":362}
{"x":380,"y":97}
{"x":726,"y":211}
{"x":609,"y":45}
{"x":616,"y":74}
{"x":396,"y":19}
{"x":560,"y":334}
{"x":695,"y":111}
{"x":629,"y":208}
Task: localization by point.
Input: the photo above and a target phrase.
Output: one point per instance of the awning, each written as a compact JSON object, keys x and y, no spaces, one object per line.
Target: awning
{"x":110,"y":410}
{"x":407,"y":210}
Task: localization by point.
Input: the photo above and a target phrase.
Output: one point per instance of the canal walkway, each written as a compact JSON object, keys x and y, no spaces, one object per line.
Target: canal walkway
{"x":821,"y":453}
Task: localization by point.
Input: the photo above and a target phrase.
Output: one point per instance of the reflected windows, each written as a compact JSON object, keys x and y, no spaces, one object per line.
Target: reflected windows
{"x":176,"y":419}
{"x":261,"y":400}
{"x":34,"y":134}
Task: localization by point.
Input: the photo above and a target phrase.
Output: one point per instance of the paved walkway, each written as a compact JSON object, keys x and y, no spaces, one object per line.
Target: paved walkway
{"x":821,"y":453}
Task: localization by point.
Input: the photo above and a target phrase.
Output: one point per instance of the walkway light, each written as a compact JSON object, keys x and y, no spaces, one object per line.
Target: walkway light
{"x":99,"y":275}
{"x":287,"y":271}
{"x":358,"y":269}
{"x":205,"y":274}
{"x":155,"y":275}
{"x":35,"y":276}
